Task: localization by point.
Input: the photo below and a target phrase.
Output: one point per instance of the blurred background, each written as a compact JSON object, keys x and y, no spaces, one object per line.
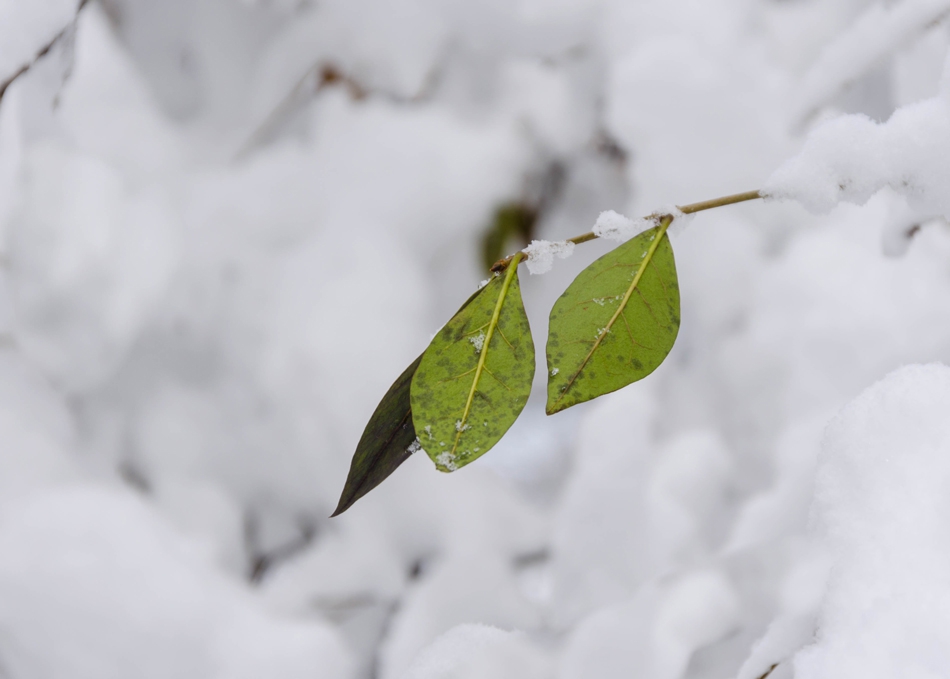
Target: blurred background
{"x":226,"y":226}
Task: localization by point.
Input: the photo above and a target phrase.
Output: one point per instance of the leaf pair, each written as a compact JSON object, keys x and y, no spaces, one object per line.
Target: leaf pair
{"x":614,"y":325}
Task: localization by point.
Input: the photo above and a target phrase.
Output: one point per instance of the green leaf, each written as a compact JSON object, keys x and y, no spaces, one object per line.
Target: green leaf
{"x":616,"y":323}
{"x":476,"y":375}
{"x":387,"y":441}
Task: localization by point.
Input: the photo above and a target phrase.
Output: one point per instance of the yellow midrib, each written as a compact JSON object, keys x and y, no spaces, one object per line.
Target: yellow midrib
{"x":483,"y":354}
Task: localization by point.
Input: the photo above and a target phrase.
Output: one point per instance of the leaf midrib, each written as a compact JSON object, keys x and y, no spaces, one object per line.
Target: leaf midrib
{"x":483,"y":354}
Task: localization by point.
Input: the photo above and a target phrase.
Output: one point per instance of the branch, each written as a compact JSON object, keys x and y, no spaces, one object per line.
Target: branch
{"x":43,"y":51}
{"x":502,"y":264}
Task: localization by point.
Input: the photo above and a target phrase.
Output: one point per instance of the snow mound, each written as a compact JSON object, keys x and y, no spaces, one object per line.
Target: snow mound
{"x":96,"y":586}
{"x":480,"y":652}
{"x":881,"y":508}
{"x":852,"y":157}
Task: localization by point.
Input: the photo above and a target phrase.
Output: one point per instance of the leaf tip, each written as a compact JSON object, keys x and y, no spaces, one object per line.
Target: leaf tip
{"x":351,"y":493}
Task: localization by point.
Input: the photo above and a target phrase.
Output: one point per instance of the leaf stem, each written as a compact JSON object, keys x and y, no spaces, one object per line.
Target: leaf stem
{"x":720,"y":202}
{"x":502,"y":264}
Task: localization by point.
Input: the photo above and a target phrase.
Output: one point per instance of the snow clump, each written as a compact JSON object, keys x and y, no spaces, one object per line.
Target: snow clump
{"x":614,"y":226}
{"x":881,"y":510}
{"x":852,"y":157}
{"x":541,"y":254}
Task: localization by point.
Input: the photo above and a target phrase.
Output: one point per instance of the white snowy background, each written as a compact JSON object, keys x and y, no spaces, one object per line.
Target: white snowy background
{"x":227,"y":225}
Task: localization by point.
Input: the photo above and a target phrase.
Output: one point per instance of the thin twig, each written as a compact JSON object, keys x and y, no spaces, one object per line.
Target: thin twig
{"x":43,"y":51}
{"x":502,"y":264}
{"x":317,"y":78}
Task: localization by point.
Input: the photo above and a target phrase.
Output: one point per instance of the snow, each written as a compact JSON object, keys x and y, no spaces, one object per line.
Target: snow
{"x":655,"y":632}
{"x":96,"y":575}
{"x":680,"y":220}
{"x":212,"y":266}
{"x":878,"y":32}
{"x":541,"y":254}
{"x":480,"y":652}
{"x":879,"y":510}
{"x":852,"y":157}
{"x":614,"y":226}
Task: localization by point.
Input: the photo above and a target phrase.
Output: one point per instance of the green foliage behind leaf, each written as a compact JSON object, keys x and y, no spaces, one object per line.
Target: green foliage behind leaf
{"x":615,"y":323}
{"x":512,"y":223}
{"x":475,"y":377}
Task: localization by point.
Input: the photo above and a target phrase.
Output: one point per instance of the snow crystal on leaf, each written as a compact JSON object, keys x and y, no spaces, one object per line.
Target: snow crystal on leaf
{"x":446,"y":460}
{"x":541,"y":254}
{"x":477,"y":341}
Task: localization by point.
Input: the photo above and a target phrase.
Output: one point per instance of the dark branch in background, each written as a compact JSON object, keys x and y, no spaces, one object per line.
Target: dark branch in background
{"x":261,"y":560}
{"x":44,"y":51}
{"x":318,"y":78}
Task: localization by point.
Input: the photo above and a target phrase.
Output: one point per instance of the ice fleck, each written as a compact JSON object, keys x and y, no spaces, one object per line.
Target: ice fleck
{"x":541,"y":254}
{"x":555,"y":371}
{"x":484,"y":283}
{"x":478,"y":341}
{"x":414,"y":447}
{"x":680,"y":219}
{"x":599,"y":300}
{"x":428,"y":430}
{"x":447,"y":460}
{"x":601,"y":331}
{"x":461,"y":427}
